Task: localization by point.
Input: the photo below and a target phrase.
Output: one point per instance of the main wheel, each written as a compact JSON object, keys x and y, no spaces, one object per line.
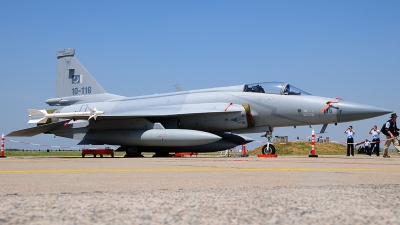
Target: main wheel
{"x":268,"y":149}
{"x":133,"y":151}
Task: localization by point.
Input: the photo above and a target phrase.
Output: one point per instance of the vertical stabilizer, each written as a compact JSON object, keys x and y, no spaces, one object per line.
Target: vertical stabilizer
{"x":72,"y":77}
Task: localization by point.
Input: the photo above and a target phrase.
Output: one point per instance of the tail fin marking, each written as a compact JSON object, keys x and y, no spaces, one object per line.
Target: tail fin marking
{"x":72,"y":77}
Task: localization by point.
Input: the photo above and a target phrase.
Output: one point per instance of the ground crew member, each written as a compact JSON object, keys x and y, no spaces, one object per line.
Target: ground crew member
{"x":391,"y":135}
{"x":367,"y":147}
{"x":375,"y":140}
{"x":350,"y":140}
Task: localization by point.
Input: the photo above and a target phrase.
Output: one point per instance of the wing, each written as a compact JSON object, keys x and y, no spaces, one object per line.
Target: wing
{"x":134,"y":118}
{"x":172,"y":111}
{"x":123,"y":111}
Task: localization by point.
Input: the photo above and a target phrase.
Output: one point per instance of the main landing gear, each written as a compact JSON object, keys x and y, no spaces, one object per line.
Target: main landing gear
{"x":131,"y":151}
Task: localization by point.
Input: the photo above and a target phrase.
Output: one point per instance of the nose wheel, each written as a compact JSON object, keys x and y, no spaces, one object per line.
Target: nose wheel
{"x":269,"y":148}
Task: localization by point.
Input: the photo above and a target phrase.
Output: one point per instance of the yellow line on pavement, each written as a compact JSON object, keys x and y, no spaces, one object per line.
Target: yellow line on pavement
{"x":175,"y":169}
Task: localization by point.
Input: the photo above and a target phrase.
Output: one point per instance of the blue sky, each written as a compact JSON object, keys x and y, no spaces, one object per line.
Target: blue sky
{"x":347,"y":49}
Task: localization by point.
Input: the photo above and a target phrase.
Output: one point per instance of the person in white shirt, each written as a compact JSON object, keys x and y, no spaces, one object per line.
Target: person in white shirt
{"x":375,"y":140}
{"x":350,"y":140}
{"x":367,"y":147}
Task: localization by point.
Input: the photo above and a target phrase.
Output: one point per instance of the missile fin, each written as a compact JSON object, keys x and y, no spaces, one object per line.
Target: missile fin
{"x":158,"y":126}
{"x":37,"y":116}
{"x":94,"y":113}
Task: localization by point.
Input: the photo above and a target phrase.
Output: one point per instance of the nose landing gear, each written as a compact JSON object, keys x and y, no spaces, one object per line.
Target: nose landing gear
{"x":269,"y":148}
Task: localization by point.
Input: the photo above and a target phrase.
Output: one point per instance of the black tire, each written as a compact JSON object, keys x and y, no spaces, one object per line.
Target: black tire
{"x":270,"y":150}
{"x":133,"y":151}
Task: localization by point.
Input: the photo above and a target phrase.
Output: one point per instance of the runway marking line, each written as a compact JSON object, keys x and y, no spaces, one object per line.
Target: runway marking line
{"x":196,"y":170}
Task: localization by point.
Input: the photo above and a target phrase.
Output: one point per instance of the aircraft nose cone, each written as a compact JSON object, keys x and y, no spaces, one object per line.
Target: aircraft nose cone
{"x":349,"y":111}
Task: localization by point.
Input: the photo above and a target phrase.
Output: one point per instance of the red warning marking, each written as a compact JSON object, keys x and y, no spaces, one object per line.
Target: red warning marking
{"x":182,"y":154}
{"x":267,"y":156}
{"x":98,"y":151}
{"x":228,"y":106}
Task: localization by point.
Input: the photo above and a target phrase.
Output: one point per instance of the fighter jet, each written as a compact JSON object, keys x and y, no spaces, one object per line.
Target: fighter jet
{"x":203,"y":120}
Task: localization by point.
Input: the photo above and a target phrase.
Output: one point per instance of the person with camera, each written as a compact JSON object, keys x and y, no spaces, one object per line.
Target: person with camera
{"x":350,"y":140}
{"x":391,"y":135}
{"x":375,"y":140}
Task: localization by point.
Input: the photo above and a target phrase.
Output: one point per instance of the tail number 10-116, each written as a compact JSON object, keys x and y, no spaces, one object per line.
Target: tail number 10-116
{"x":81,"y":91}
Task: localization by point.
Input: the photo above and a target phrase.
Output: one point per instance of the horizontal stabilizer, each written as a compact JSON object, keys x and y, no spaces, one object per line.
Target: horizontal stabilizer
{"x":29,"y":132}
{"x":37,"y":116}
{"x":89,"y":142}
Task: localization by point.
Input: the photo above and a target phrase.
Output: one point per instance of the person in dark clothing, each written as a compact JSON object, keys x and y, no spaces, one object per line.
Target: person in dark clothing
{"x":350,"y":140}
{"x":391,"y":135}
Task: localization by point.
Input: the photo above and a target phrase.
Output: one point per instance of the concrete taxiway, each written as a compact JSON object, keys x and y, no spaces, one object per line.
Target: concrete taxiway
{"x":207,"y":190}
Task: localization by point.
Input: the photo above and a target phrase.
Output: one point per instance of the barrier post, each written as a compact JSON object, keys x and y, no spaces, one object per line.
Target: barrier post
{"x":2,"y":146}
{"x":244,"y":152}
{"x":312,"y":153}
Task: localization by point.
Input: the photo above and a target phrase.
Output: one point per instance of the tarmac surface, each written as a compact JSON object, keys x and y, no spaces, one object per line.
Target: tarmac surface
{"x":200,"y":190}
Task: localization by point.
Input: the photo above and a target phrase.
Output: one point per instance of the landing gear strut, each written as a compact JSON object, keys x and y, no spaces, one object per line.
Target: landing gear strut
{"x":133,"y":151}
{"x":269,"y":148}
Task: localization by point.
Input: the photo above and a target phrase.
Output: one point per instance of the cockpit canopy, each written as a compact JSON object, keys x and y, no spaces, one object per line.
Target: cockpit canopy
{"x":279,"y":88}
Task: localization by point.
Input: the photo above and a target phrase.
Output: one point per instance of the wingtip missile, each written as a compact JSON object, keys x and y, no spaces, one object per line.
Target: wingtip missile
{"x":41,"y":116}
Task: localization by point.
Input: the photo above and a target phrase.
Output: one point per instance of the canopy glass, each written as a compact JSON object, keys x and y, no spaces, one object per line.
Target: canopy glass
{"x":279,"y":88}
